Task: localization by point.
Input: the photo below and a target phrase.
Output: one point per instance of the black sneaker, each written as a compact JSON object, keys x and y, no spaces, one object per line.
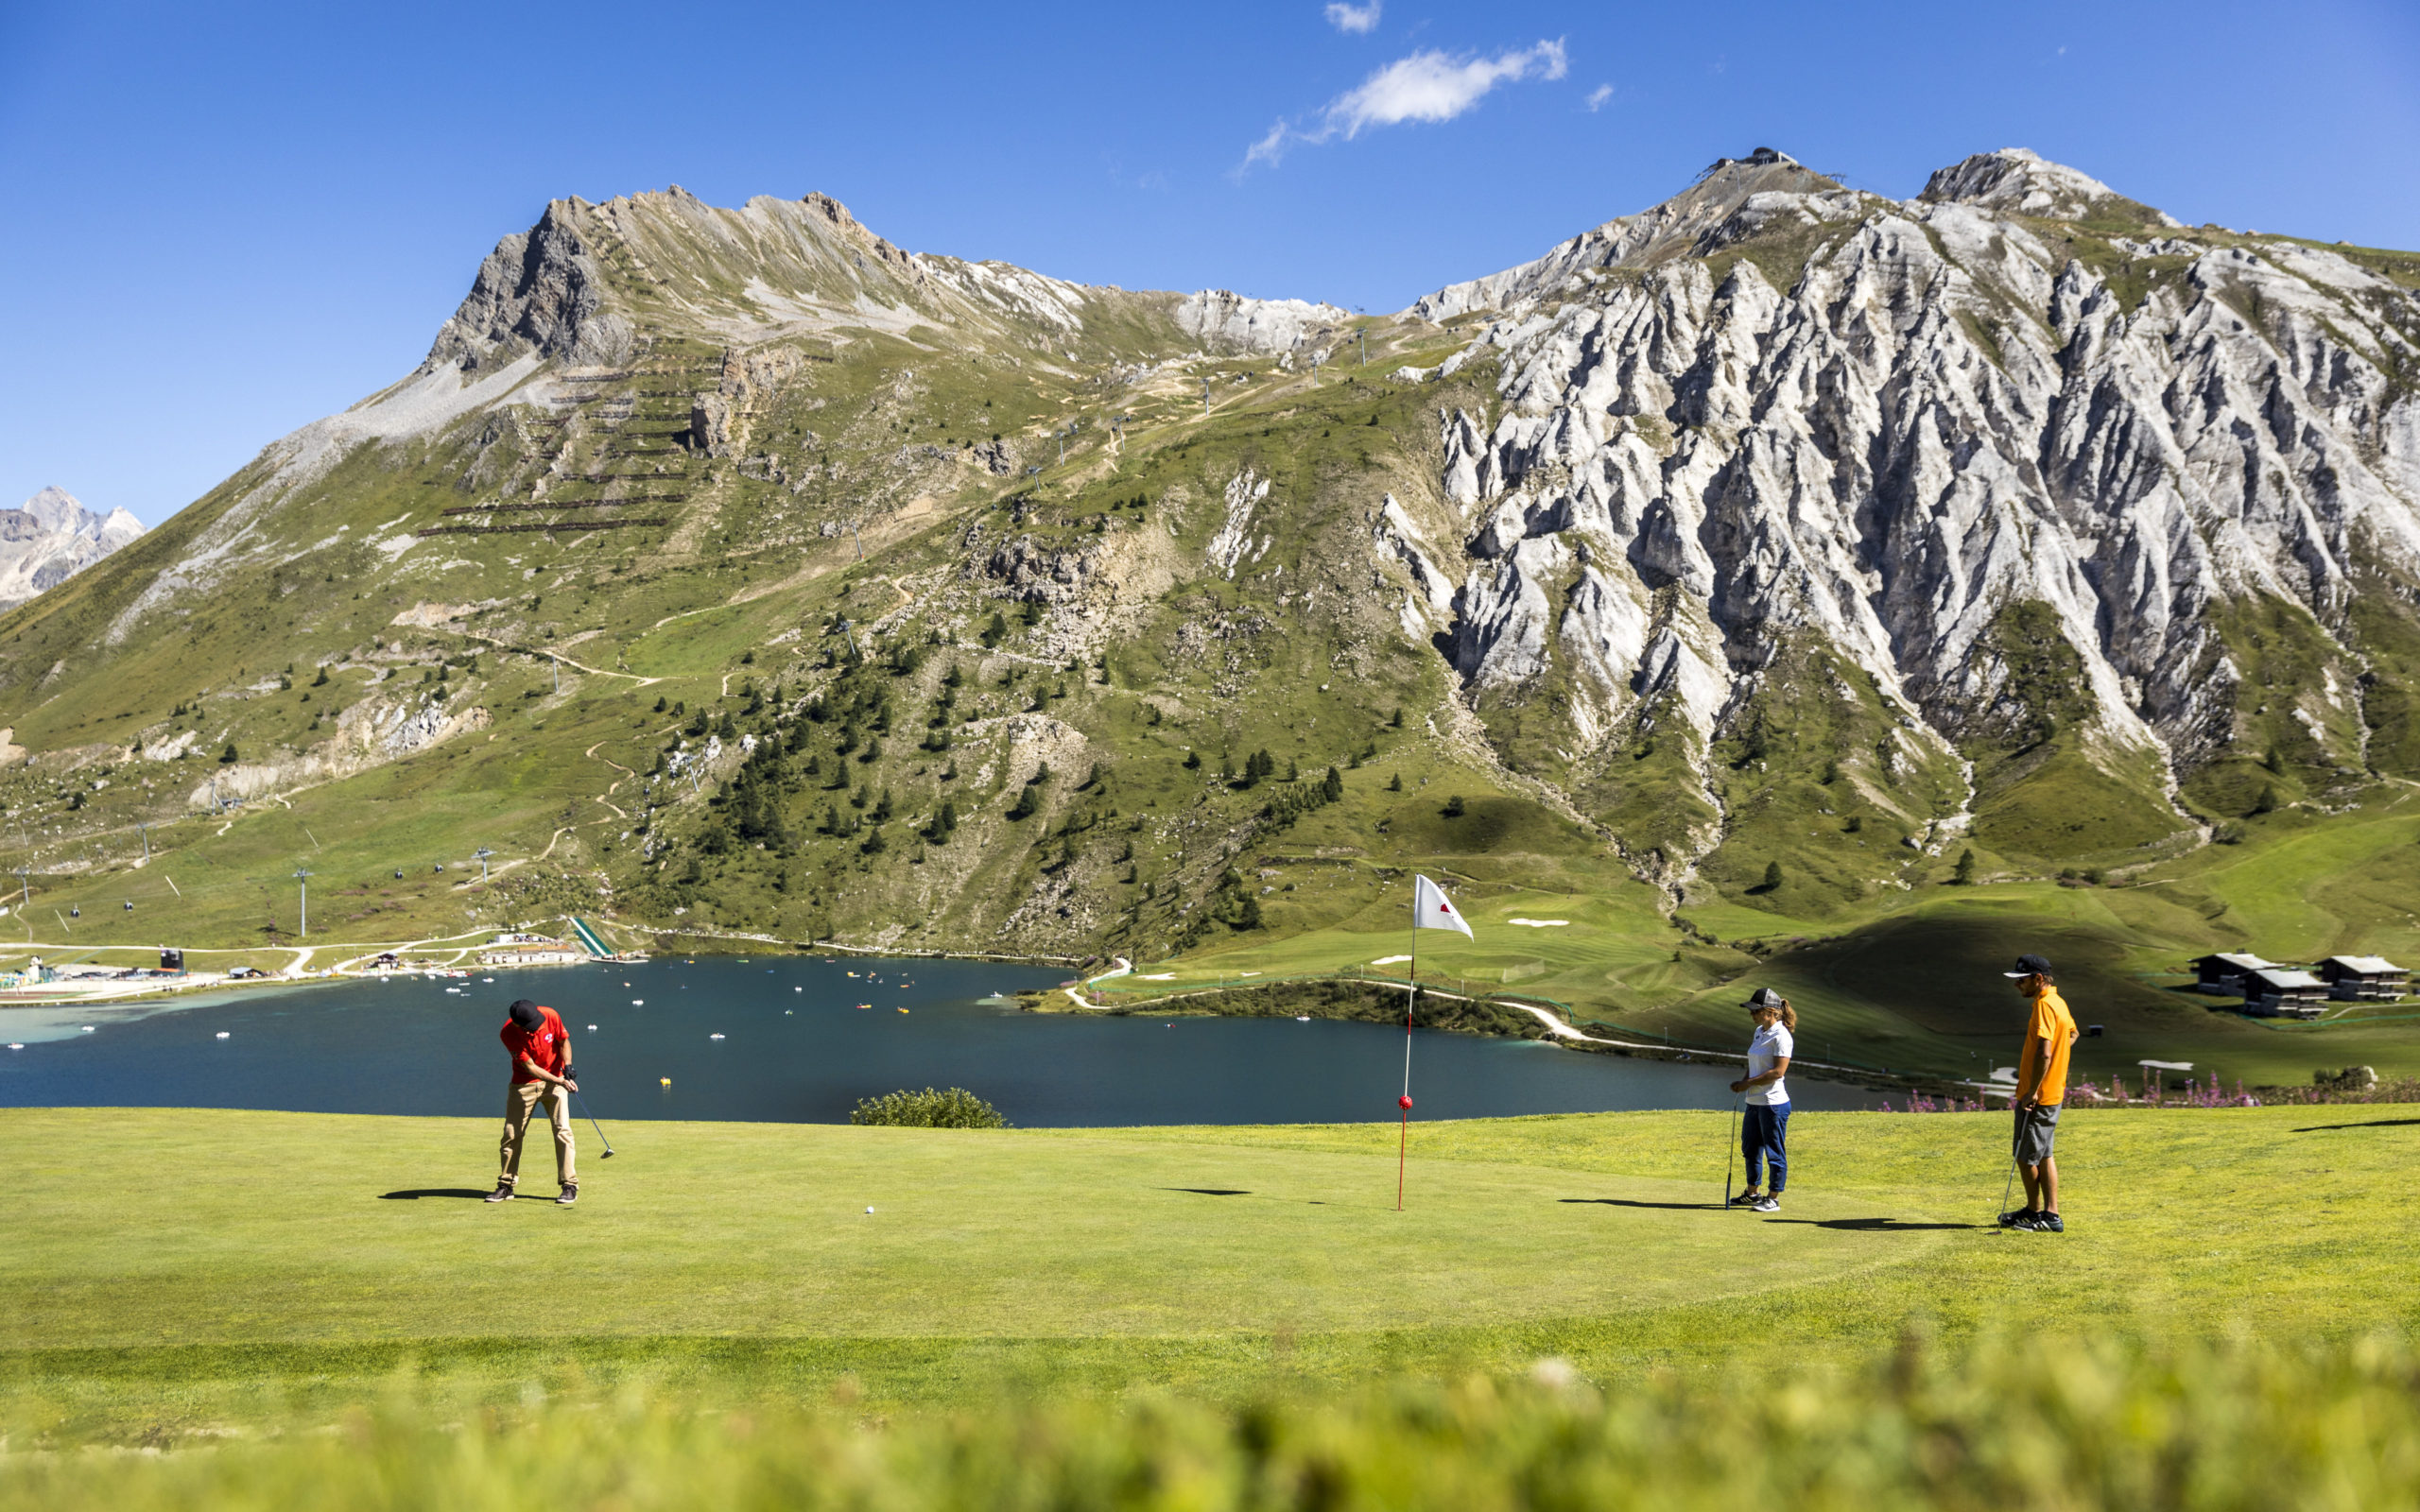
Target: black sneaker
{"x":2043,"y":1223}
{"x":1745,"y":1199}
{"x":2019,"y":1219}
{"x":503,"y":1192}
{"x":569,"y":1195}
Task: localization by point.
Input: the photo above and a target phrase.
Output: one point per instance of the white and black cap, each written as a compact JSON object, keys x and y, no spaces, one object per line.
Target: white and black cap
{"x":2030,"y":966}
{"x":1764,"y":997}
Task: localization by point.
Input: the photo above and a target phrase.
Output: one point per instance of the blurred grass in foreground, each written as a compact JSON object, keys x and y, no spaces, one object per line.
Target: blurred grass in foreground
{"x":2020,"y":1425}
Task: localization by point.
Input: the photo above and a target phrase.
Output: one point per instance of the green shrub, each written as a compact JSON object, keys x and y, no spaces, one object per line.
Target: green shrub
{"x":953,"y":1108}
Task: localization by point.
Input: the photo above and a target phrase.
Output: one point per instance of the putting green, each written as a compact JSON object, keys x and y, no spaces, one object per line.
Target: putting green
{"x":273,"y":1228}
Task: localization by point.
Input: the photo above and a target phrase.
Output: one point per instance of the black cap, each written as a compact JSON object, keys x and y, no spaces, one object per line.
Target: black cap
{"x":524,"y":1013}
{"x":2030,"y":966}
{"x":1764,"y":997}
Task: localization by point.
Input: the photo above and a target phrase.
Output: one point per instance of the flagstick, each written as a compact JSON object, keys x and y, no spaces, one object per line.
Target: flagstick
{"x":1403,"y":1146}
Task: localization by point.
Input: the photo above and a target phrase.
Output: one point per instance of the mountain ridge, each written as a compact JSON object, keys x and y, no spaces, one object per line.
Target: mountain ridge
{"x":52,"y":536}
{"x":1779,"y":529}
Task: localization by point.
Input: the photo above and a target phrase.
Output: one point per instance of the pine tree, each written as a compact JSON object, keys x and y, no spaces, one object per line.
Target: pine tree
{"x":1332,"y":787}
{"x":1394,"y":784}
{"x":1965,"y":873}
{"x":1773,"y":875}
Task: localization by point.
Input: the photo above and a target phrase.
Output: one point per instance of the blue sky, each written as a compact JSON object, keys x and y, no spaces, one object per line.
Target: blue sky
{"x":229,"y":220}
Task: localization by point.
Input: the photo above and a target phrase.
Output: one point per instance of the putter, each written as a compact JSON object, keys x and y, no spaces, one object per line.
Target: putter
{"x":1730,"y":1148}
{"x":593,"y":1123}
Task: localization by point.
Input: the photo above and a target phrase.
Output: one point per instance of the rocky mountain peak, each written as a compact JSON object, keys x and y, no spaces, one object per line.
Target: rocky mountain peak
{"x":50,"y":537}
{"x":1674,"y":228}
{"x":2018,"y":181}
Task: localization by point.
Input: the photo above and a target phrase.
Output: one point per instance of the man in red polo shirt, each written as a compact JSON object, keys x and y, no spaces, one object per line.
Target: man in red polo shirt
{"x":540,"y":1051}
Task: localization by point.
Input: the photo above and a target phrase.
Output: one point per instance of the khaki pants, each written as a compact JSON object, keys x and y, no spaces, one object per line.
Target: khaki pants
{"x":519,"y":1102}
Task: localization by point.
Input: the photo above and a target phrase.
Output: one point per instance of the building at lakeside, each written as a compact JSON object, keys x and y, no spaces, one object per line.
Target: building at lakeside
{"x":2364,"y":978}
{"x":2224,"y":975}
{"x":2282,"y":992}
{"x":531,"y":950}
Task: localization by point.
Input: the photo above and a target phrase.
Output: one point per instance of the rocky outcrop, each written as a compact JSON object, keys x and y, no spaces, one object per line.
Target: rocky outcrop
{"x":1935,"y":414}
{"x":540,"y":291}
{"x":1674,"y":227}
{"x":1226,"y":321}
{"x":51,"y":536}
{"x":2016,"y":182}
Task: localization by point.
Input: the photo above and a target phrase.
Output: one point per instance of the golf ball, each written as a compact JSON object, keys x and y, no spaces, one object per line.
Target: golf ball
{"x":868,"y":1209}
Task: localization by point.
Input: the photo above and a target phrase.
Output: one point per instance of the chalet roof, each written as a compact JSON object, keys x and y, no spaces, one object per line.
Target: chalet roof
{"x":2244,"y":962}
{"x":2285,"y":977}
{"x":2365,"y":964}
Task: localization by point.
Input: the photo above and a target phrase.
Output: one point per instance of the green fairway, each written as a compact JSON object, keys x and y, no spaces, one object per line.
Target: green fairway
{"x":762,"y":1230}
{"x":187,"y":1265}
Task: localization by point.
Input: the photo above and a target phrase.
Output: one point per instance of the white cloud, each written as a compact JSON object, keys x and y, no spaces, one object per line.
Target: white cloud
{"x":1426,"y":86}
{"x":1597,"y":96}
{"x":1355,"y":19}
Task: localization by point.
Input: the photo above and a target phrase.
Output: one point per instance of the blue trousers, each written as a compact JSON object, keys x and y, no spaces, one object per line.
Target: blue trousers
{"x":1764,"y":1137}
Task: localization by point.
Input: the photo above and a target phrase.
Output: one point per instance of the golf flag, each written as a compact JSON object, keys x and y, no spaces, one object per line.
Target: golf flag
{"x":1432,"y":909}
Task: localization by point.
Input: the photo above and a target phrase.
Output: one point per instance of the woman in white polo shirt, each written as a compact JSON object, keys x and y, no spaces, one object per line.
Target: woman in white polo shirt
{"x":1764,"y":1132}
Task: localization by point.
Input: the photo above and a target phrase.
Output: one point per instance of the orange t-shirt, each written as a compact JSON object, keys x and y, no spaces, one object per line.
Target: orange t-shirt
{"x":2049,"y":1034}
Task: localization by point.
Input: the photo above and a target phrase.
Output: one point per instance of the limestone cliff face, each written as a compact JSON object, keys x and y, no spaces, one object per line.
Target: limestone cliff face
{"x":50,"y":537}
{"x":1757,"y":413}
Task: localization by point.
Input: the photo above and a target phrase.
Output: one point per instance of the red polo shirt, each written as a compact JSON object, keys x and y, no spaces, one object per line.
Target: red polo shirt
{"x":548,"y":1045}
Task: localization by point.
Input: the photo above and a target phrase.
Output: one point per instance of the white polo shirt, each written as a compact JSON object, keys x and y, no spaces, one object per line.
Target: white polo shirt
{"x":1771,"y":1047}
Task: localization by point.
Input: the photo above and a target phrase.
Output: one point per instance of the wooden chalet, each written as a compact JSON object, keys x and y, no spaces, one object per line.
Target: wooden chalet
{"x":2364,"y":978}
{"x":2224,"y":975}
{"x":2281,"y":993}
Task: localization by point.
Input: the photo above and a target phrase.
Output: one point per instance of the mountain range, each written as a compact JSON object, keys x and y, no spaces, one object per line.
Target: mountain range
{"x":1782,"y":549}
{"x":50,"y":536}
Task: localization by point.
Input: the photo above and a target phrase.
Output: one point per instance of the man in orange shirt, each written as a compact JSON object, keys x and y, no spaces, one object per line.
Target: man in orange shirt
{"x":534,"y":1036}
{"x":2041,"y":1091}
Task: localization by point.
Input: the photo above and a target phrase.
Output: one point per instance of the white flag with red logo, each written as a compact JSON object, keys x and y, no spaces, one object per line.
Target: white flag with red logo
{"x":1432,"y":909}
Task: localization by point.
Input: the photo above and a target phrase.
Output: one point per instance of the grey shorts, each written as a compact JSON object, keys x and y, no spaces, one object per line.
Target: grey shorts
{"x":2035,"y":1129}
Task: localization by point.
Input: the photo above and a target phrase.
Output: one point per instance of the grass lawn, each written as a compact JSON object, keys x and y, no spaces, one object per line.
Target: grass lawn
{"x":181,"y":1268}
